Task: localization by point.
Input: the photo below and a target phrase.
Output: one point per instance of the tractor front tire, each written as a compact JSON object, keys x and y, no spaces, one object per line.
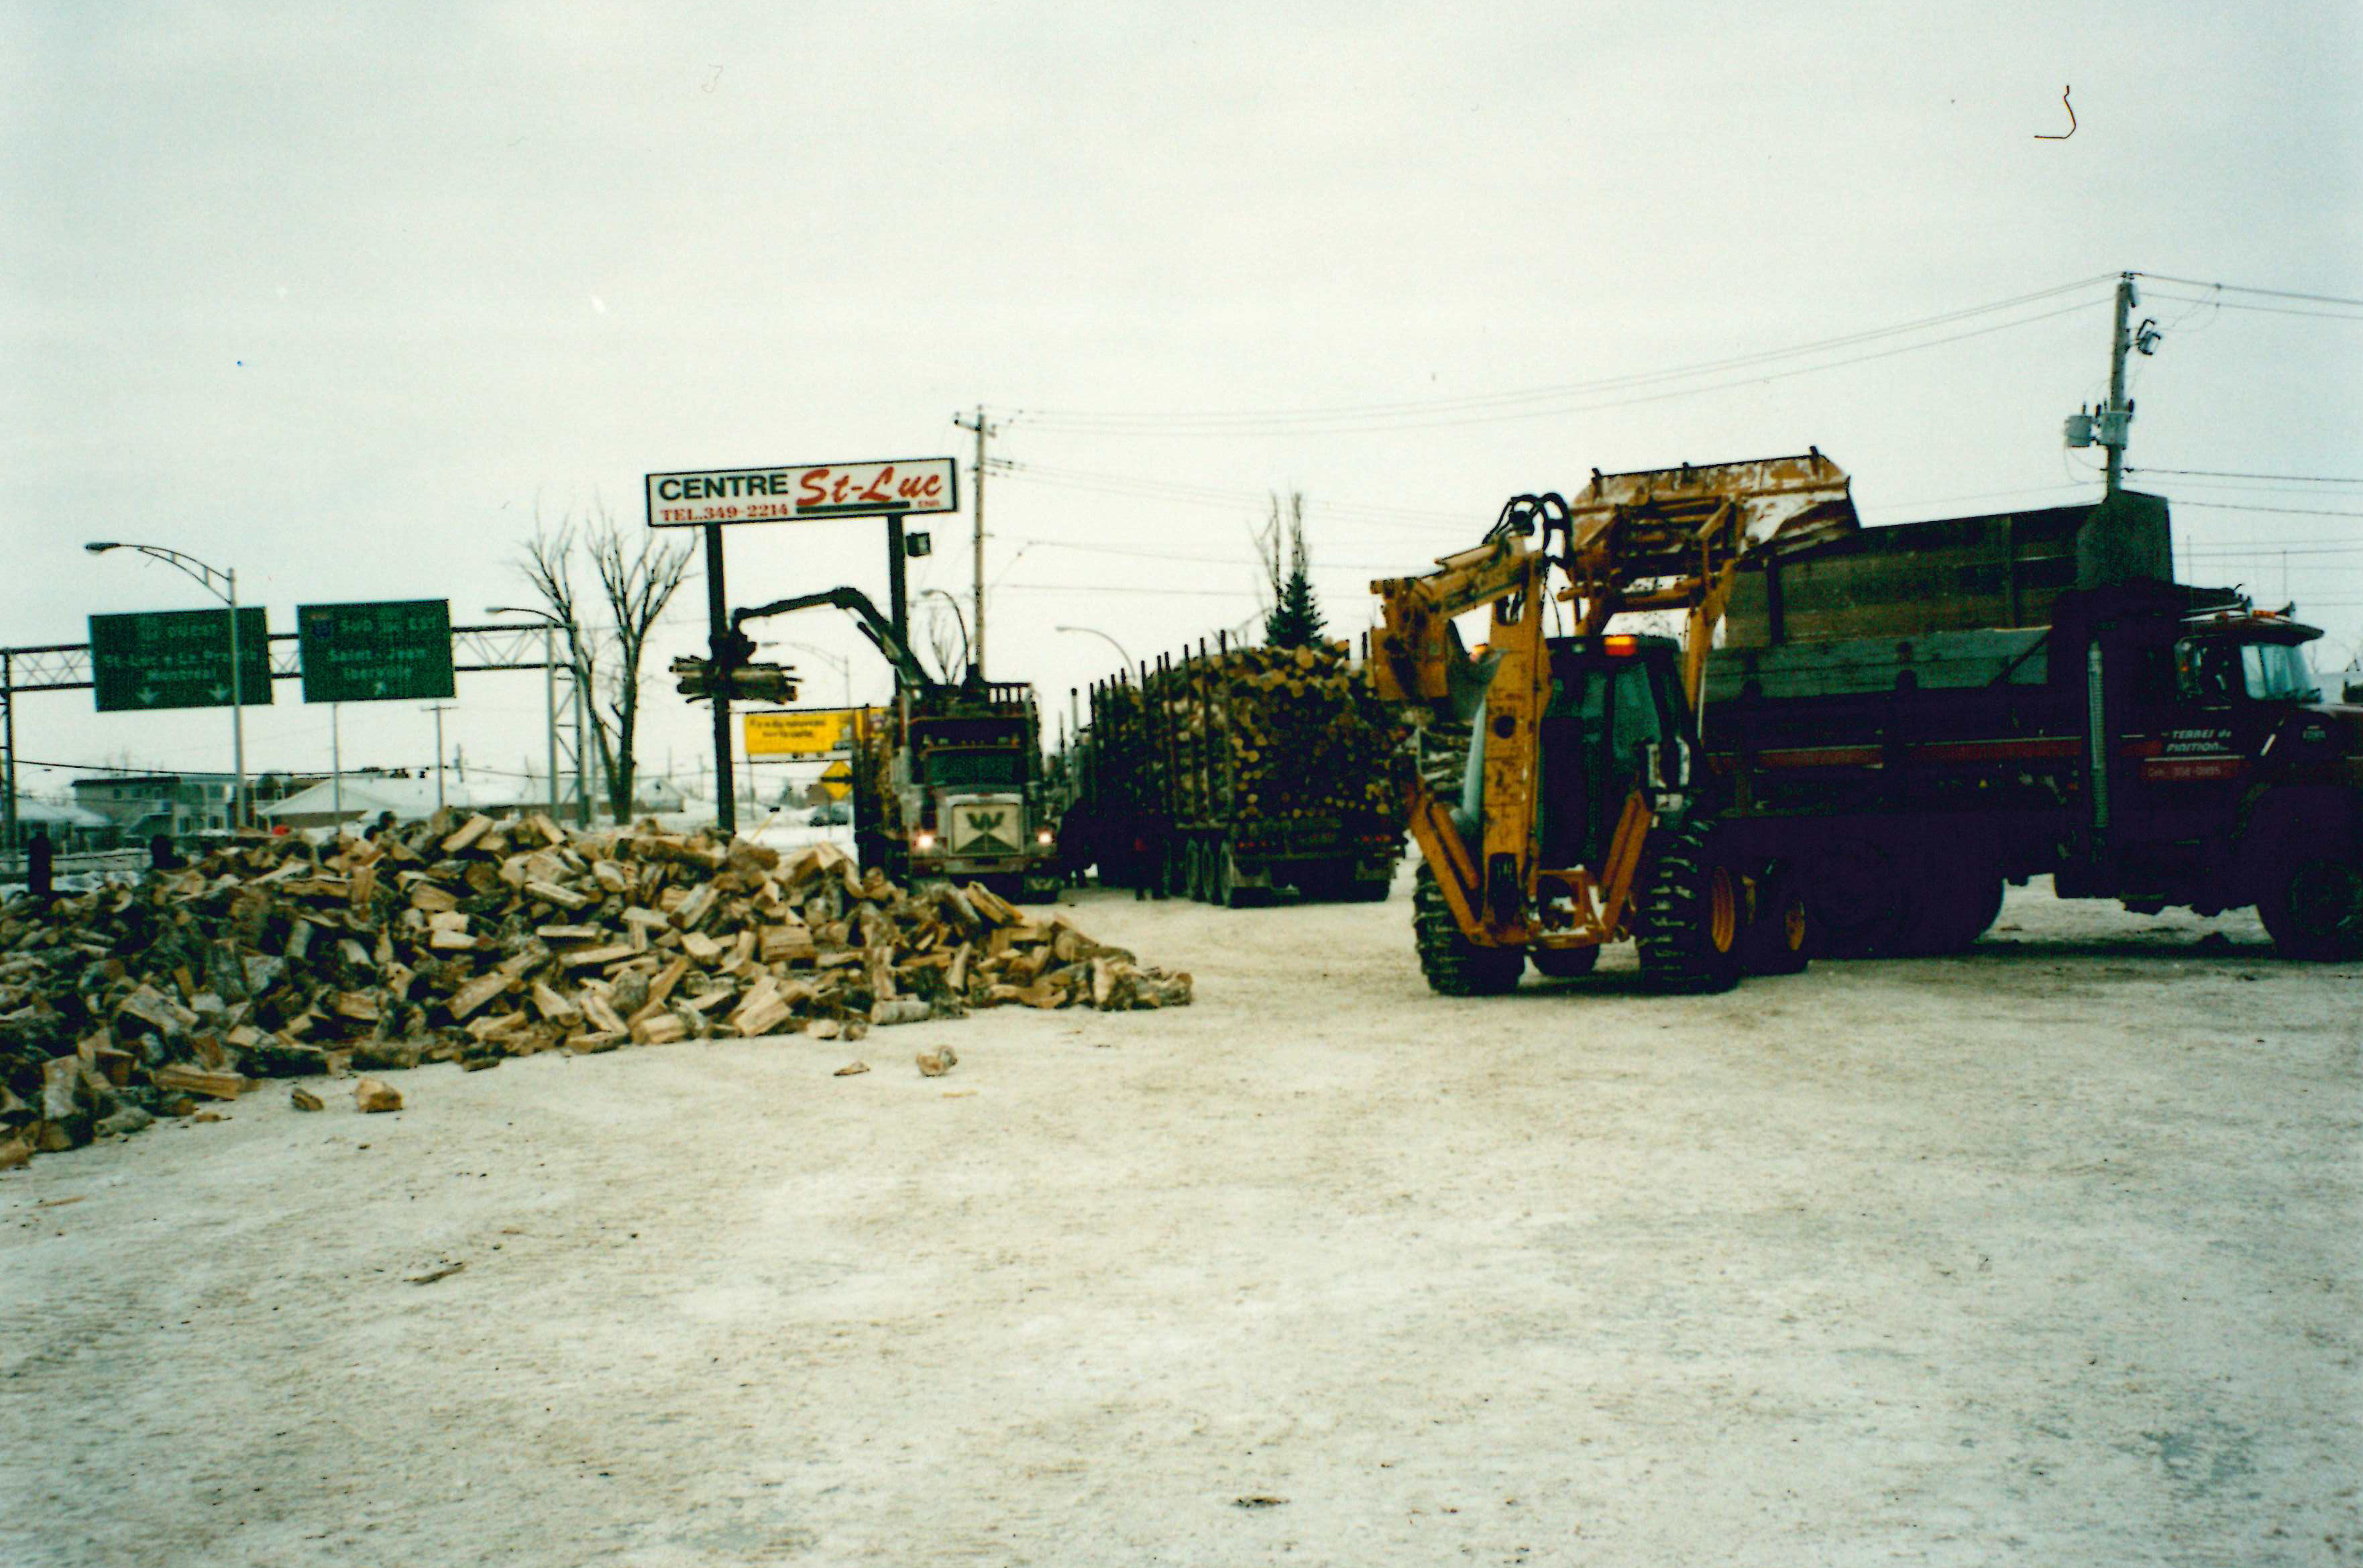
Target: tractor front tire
{"x":1455,"y":966}
{"x":1692,"y":910}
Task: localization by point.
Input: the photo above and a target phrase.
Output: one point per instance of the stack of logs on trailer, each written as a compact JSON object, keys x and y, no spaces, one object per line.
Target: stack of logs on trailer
{"x":1228,"y":773}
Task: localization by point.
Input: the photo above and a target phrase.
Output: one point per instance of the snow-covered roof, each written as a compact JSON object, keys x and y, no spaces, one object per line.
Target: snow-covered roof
{"x":43,"y":813}
{"x":408,"y":798}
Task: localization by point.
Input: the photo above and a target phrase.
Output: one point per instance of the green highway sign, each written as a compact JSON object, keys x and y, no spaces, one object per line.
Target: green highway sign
{"x":178,"y":658}
{"x":375,"y":652}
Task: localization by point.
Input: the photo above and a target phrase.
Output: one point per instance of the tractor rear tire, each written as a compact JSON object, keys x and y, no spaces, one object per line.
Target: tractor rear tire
{"x":1690,"y":906}
{"x":1455,"y":966}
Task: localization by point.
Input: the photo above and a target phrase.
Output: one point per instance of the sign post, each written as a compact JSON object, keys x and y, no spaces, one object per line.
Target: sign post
{"x":717,"y":627}
{"x":713,"y":499}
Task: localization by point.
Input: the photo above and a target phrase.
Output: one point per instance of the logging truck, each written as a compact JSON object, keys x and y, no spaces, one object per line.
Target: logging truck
{"x":1898,"y":720}
{"x":949,"y":781}
{"x":1230,"y":774}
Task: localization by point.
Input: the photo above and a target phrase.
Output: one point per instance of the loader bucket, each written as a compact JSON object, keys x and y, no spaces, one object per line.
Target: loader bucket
{"x":1790,"y":501}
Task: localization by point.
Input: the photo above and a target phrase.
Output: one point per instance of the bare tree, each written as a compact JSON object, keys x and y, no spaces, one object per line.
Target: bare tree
{"x":637,"y":579}
{"x":947,"y":640}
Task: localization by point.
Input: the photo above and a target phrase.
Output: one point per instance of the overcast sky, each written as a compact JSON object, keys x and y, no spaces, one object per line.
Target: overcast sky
{"x":346,"y":295}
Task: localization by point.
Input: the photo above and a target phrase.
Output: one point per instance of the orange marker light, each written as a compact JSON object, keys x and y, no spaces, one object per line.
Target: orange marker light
{"x":1620,"y":647}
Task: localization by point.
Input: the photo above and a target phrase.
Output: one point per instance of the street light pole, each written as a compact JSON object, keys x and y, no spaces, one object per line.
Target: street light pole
{"x":237,"y":708}
{"x":1095,"y":632}
{"x":227,"y":592}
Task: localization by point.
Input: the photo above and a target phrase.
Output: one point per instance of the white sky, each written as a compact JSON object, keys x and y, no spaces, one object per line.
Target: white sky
{"x":340,"y":296}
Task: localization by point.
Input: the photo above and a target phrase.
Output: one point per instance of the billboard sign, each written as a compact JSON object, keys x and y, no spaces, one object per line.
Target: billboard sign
{"x":800,"y":731}
{"x":808,"y":493}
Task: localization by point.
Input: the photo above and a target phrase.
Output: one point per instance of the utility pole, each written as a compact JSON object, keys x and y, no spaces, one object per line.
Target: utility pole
{"x":2119,"y":415}
{"x":2108,"y":425}
{"x":982,"y":429}
{"x":436,"y":709}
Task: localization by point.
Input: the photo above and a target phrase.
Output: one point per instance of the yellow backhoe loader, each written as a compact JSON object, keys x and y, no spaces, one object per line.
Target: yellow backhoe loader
{"x":1584,"y":814}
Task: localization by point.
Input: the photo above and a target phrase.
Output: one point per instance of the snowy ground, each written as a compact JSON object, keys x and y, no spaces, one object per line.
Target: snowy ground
{"x":2047,"y":1254}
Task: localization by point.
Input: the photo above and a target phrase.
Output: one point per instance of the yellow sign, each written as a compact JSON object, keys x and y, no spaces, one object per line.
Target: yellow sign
{"x":838,"y":780}
{"x":807,"y":732}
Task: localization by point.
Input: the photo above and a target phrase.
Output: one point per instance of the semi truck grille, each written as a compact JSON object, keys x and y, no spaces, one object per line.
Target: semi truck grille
{"x":985,"y":827}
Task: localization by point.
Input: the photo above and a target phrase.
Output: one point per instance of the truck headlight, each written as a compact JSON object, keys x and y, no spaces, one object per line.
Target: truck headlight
{"x":923,"y":843}
{"x":1043,"y":838}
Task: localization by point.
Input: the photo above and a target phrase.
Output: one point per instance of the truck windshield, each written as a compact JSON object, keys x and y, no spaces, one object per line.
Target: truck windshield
{"x":958,"y":768}
{"x":2276,"y":672}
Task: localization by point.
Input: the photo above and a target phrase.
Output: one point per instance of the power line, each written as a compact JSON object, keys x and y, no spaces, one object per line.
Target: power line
{"x":2265,"y":309}
{"x":1127,"y":588}
{"x":2248,"y":289}
{"x":1141,"y":488}
{"x":1976,"y":495}
{"x":1044,"y":417}
{"x":2223,"y":474}
{"x":1758,"y":379}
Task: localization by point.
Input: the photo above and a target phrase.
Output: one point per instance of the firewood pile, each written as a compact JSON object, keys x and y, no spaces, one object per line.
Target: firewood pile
{"x":1266,"y":732}
{"x":472,"y":941}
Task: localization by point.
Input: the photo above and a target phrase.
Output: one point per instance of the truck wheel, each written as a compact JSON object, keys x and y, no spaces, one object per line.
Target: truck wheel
{"x":1563,"y":963}
{"x":1948,"y":906}
{"x":1853,"y":896}
{"x":1780,"y":940}
{"x":1690,"y":906}
{"x":1455,"y":966}
{"x":1220,"y":890}
{"x":2314,"y":910}
{"x":1374,"y":891}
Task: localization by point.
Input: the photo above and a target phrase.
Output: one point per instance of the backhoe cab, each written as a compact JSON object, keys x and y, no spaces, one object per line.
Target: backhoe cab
{"x":1580,"y":817}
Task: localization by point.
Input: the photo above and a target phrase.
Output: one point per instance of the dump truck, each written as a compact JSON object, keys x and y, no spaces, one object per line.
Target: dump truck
{"x":1906,"y":718}
{"x":1229,"y":773}
{"x":1860,"y":735}
{"x":948,"y":782}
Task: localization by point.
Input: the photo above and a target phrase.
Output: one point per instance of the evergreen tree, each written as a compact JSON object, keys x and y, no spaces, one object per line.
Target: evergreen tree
{"x":1294,"y":621}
